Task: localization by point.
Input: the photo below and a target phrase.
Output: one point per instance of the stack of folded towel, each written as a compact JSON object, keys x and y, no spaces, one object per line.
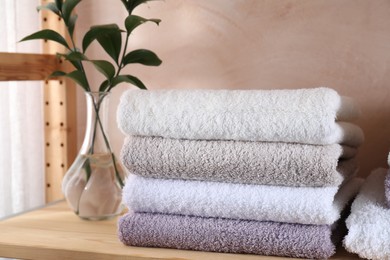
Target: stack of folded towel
{"x":251,"y":171}
{"x":369,"y":222}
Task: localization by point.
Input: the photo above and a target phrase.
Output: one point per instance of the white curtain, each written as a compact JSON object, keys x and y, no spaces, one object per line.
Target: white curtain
{"x":21,"y":117}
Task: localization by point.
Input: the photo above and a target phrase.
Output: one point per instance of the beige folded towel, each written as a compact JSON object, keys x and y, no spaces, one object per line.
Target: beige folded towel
{"x":239,"y":161}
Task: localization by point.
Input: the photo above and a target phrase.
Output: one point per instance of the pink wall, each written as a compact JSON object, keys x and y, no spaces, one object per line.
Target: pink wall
{"x":267,"y":44}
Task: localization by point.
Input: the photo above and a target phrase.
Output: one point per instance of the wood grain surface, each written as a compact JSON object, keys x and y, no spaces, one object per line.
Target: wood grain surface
{"x":22,"y":66}
{"x":60,"y":113}
{"x":55,"y":232}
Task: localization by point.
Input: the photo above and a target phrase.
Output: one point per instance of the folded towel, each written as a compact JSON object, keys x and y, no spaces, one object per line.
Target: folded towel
{"x":387,"y":188}
{"x":369,"y":222}
{"x":226,"y":235}
{"x":298,"y":116}
{"x":388,"y":159}
{"x":238,"y":161}
{"x":305,"y":205}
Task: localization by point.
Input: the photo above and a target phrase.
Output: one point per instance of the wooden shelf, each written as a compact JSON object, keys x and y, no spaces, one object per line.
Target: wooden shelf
{"x":54,"y":232}
{"x":36,"y":66}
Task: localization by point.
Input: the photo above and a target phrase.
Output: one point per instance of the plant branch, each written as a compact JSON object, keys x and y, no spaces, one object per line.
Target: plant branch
{"x":96,"y":107}
{"x":120,"y":65}
{"x":74,"y":49}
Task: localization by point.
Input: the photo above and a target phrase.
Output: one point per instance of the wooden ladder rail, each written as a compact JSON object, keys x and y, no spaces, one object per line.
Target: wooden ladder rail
{"x":60,"y":117}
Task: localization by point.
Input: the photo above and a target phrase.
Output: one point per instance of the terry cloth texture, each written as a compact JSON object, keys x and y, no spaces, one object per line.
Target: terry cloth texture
{"x":305,"y":205}
{"x":387,"y":188}
{"x":298,"y":116}
{"x":284,"y":164}
{"x":369,"y":222}
{"x":226,"y":235}
{"x":388,"y":159}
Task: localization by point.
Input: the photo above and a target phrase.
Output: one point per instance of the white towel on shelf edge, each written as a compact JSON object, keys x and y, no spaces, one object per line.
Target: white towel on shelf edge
{"x":312,"y":116}
{"x":304,"y":205}
{"x":369,"y":222}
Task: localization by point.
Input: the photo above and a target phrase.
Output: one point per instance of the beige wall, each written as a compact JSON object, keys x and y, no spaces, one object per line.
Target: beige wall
{"x":255,"y":44}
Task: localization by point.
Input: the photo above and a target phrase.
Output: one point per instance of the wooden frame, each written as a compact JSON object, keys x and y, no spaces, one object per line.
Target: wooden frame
{"x":59,"y":115}
{"x":59,"y":103}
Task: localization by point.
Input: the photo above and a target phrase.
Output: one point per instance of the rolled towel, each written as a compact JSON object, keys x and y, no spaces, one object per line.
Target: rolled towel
{"x":298,"y":116}
{"x":238,"y":161}
{"x":387,"y":188}
{"x":369,"y":222}
{"x":226,"y":235}
{"x":304,"y":205}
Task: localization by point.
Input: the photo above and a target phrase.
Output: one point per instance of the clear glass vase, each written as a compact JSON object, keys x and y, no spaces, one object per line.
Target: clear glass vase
{"x":93,"y":184}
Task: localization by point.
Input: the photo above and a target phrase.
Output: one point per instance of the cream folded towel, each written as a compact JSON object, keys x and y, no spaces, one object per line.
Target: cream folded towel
{"x":369,"y":222}
{"x":284,"y":164}
{"x":304,"y":205}
{"x":312,"y":116}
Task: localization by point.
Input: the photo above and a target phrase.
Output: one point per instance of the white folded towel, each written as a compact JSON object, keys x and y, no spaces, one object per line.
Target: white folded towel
{"x":305,"y":205}
{"x":369,"y":222}
{"x":312,"y":116}
{"x":388,"y":159}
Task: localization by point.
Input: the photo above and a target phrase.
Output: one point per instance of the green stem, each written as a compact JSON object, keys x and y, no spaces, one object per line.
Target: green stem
{"x":120,"y":66}
{"x":97,"y":107}
{"x":98,"y":120}
{"x":123,"y":53}
{"x":74,"y":48}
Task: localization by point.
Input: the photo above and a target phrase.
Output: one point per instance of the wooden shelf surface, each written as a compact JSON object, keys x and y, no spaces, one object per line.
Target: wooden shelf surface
{"x":54,"y":232}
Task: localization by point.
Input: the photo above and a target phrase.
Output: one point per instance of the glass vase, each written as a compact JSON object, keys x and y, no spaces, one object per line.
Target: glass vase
{"x":93,"y":184}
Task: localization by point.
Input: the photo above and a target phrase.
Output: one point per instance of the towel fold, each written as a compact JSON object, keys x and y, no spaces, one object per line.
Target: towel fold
{"x":388,"y":160}
{"x":387,"y":188}
{"x":298,"y":116}
{"x":305,"y":205}
{"x":227,"y":235}
{"x":238,"y":161}
{"x":369,"y":222}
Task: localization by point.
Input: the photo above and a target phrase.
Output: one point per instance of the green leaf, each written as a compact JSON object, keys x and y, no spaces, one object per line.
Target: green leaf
{"x":50,"y":6}
{"x":59,"y":4}
{"x":79,"y":78}
{"x":47,"y":34}
{"x":67,"y":8}
{"x":133,"y":21}
{"x":112,"y":44}
{"x":105,"y":67}
{"x":134,"y":3}
{"x":74,"y":57}
{"x":103,"y":87}
{"x":124,"y":2}
{"x":108,"y":36}
{"x":76,"y":64}
{"x":142,"y":56}
{"x":129,"y":79}
{"x":71,"y":24}
{"x":57,"y":73}
{"x":88,"y":170}
{"x":94,"y":32}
